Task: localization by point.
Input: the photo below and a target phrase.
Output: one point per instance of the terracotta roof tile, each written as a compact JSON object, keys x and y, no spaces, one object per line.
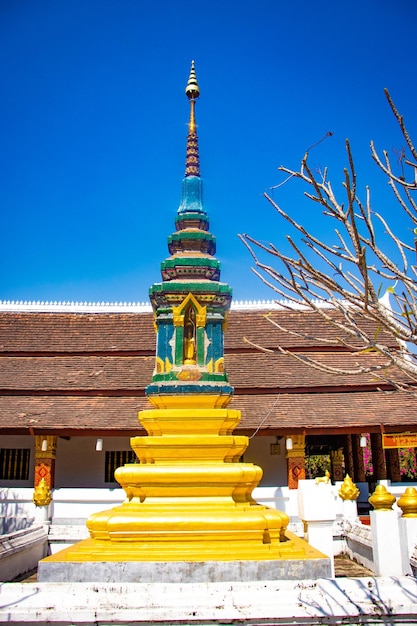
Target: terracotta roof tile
{"x":254,"y":326}
{"x":76,"y":372}
{"x":279,"y":371}
{"x":280,"y":413}
{"x":19,"y":413}
{"x":87,"y":372}
{"x":112,"y":332}
{"x":72,"y":332}
{"x":328,"y":411}
{"x":92,"y":373}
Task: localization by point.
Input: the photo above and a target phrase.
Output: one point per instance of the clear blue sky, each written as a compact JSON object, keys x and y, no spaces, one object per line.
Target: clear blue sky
{"x":93,"y":125}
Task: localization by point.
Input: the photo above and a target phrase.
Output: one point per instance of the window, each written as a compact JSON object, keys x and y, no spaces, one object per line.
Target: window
{"x":14,"y":463}
{"x":115,"y":459}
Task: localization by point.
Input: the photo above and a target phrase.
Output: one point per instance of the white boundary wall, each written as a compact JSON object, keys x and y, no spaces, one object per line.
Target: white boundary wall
{"x":20,"y":551}
{"x":71,"y":507}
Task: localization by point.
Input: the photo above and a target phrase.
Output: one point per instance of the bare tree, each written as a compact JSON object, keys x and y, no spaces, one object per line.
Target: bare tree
{"x":363,"y":283}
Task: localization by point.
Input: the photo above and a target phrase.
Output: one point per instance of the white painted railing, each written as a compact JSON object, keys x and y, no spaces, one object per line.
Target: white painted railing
{"x":71,"y":507}
{"x":20,"y":551}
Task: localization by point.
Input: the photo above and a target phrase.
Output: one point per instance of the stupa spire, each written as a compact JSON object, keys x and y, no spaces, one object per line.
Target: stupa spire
{"x":192,"y":161}
{"x":191,"y":303}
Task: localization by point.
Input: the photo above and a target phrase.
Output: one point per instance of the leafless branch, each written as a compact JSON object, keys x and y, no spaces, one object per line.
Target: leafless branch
{"x":341,"y":281}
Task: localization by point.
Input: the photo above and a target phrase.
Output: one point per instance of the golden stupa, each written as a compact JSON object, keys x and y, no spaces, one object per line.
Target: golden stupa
{"x":189,"y":498}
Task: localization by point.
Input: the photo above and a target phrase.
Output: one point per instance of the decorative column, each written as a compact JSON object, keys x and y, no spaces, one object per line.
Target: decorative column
{"x":385,"y":533}
{"x":348,"y":455}
{"x":336,"y":458}
{"x":296,"y":457}
{"x":317,"y":509}
{"x":408,"y":525}
{"x":45,"y":455}
{"x":358,"y":462}
{"x":378,"y":457}
{"x":393,"y":465}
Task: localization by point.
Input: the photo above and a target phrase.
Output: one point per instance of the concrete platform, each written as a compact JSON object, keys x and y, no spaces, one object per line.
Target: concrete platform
{"x":323,"y":601}
{"x":92,"y":560}
{"x":183,"y":571}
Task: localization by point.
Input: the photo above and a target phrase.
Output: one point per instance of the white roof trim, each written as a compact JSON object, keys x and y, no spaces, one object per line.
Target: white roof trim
{"x":74,"y":307}
{"x":136,"y":307}
{"x":277,"y":305}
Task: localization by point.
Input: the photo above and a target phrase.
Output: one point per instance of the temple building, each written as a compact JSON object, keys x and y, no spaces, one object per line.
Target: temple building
{"x":73,"y":377}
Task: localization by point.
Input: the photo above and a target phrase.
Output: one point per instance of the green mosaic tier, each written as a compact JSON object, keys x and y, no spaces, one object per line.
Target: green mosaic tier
{"x":190,"y":304}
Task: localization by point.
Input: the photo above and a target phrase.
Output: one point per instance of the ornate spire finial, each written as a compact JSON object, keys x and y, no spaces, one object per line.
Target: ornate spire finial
{"x":192,"y":89}
{"x":192,"y":161}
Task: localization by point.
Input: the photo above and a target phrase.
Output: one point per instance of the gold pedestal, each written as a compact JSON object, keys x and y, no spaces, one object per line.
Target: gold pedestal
{"x":189,"y":498}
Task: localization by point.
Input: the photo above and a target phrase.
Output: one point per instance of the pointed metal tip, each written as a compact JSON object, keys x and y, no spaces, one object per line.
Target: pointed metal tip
{"x":192,"y":89}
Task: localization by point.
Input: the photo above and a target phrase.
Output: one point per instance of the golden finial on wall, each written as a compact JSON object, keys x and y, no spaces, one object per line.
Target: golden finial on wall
{"x":348,"y":489}
{"x":382,"y":499}
{"x":42,"y":494}
{"x":408,"y":502}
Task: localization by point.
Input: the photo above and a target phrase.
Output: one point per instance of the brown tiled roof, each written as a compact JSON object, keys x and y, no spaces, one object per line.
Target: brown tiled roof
{"x":76,"y":332}
{"x":280,"y":371}
{"x":86,"y":373}
{"x":115,"y":332}
{"x":272,"y":413}
{"x":257,"y":326}
{"x":71,"y":413}
{"x":81,"y":373}
{"x":363,"y":411}
{"x":133,"y":373}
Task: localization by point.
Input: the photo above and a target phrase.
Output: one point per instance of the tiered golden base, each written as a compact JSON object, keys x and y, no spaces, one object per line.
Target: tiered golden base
{"x":189,"y":498}
{"x":95,"y":550}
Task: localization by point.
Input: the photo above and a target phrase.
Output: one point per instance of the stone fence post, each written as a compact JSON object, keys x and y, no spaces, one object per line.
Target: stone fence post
{"x":317,"y":509}
{"x":408,"y":525}
{"x":385,"y":532}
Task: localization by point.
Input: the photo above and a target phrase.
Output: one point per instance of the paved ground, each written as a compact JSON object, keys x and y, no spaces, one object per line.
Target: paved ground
{"x":344,"y":566}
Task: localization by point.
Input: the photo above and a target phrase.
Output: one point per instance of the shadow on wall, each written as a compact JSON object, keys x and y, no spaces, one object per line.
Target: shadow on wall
{"x":13,"y":513}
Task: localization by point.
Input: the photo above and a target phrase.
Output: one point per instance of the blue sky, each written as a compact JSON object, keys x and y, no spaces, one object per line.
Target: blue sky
{"x":93,"y":121}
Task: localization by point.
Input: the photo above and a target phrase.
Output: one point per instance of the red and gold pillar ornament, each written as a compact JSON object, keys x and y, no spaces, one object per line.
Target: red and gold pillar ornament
{"x":337,"y":462}
{"x":295,"y":445}
{"x":358,"y":459}
{"x":348,"y":455}
{"x":378,"y":457}
{"x":45,"y":455}
{"x":392,"y":460}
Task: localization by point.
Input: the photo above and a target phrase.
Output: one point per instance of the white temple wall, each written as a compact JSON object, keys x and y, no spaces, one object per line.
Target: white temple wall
{"x":274,"y":466}
{"x":20,"y":441}
{"x":79,"y":465}
{"x":80,"y":487}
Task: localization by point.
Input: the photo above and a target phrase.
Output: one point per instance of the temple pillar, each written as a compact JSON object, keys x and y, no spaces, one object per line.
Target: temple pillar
{"x":45,"y":455}
{"x":348,"y":456}
{"x":358,"y":474}
{"x":295,"y":460}
{"x":393,"y":465}
{"x":336,"y":459}
{"x":378,"y":457}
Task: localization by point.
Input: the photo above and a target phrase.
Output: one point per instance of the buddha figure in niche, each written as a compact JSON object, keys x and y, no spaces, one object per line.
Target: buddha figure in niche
{"x":189,"y":344}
